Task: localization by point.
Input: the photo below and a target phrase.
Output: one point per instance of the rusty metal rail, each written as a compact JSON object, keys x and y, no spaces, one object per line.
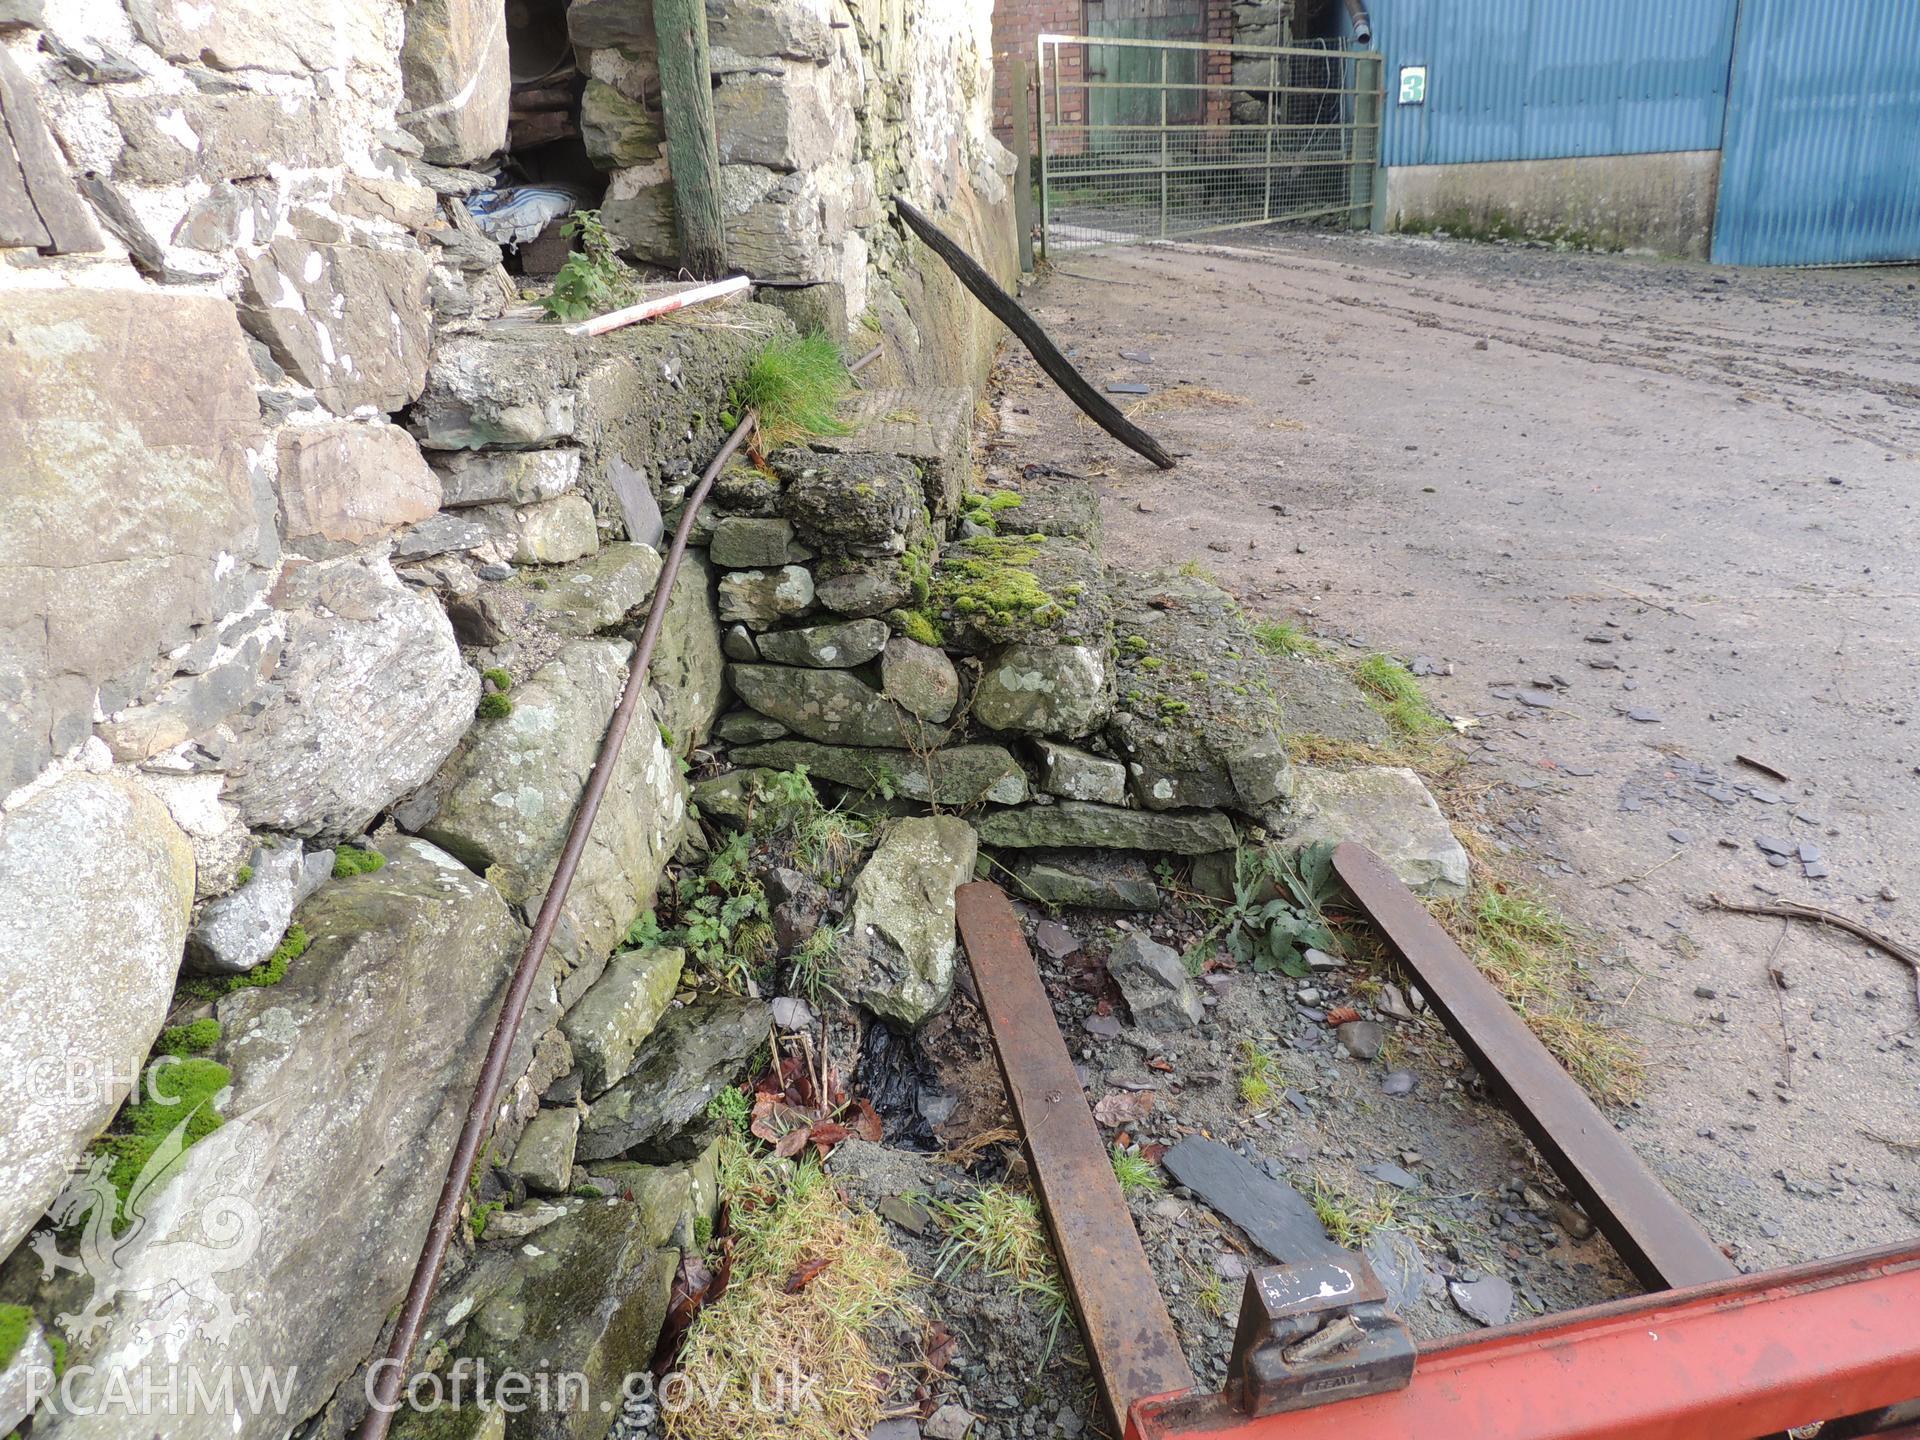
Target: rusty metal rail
{"x":1129,"y":1334}
{"x":1662,"y":1244}
{"x":1718,"y":1356}
{"x":1727,"y":1361}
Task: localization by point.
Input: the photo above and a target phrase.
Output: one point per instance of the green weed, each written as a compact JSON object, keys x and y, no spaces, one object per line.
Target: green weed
{"x":797,"y":386}
{"x":1391,"y":689}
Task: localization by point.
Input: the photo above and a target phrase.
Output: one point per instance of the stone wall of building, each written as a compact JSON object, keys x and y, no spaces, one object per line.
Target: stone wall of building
{"x":313,"y":557}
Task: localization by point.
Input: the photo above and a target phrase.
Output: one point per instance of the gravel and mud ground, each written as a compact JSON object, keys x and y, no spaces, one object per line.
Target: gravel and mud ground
{"x":1637,"y":518}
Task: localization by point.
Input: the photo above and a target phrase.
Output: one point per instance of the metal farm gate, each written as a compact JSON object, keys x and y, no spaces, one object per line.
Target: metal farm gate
{"x":1152,"y":138}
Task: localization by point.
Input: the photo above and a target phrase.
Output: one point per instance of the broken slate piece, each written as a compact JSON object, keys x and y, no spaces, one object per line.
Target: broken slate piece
{"x":1056,"y":942}
{"x":1275,"y":1216}
{"x":1400,"y":1082}
{"x":1774,"y":845}
{"x":1400,"y":1267}
{"x":1361,"y":1039}
{"x":1128,"y":387}
{"x":1488,"y":1300}
{"x":1644,"y":717}
{"x":1102,"y":1027}
{"x":1388,"y":1173}
{"x":905,"y":1213}
{"x":949,"y":1422}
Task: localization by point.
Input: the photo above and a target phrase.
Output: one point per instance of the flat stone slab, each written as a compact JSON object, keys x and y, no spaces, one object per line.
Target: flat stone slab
{"x":1276,"y":1217}
{"x":658,"y":1112}
{"x":594,"y":594}
{"x":834,"y":645}
{"x":1097,"y":880}
{"x":1079,"y":824}
{"x":1000,"y":589}
{"x":932,"y":427}
{"x":959,"y":775}
{"x":830,"y":706}
{"x":1387,"y":809}
{"x":1067,"y":508}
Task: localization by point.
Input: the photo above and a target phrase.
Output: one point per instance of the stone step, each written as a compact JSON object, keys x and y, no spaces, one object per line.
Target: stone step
{"x":930,"y":425}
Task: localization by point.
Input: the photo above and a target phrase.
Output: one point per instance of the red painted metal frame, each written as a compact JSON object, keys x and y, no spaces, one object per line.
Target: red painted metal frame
{"x":1729,"y":1360}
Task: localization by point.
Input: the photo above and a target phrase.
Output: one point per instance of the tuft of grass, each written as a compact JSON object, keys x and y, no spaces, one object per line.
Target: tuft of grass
{"x":1390,"y":687}
{"x":1137,"y":1174}
{"x":786,"y":1219}
{"x":1260,"y":1076}
{"x":999,"y":1232}
{"x":797,"y":386}
{"x":1531,"y":953}
{"x":815,"y":962}
{"x":1283,"y":637}
{"x":1349,"y":1218}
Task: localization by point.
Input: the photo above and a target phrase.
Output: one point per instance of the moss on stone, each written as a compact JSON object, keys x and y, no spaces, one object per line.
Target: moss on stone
{"x":270,"y":971}
{"x":178,"y":1095}
{"x":988,"y":577}
{"x":352,"y":860}
{"x":196,"y":1037}
{"x":493,"y":706}
{"x":500,"y":679}
{"x":241,"y":877}
{"x":918,"y":626}
{"x":16,"y":1323}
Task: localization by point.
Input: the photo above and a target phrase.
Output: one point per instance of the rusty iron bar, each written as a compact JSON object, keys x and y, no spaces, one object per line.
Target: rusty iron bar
{"x":1129,"y":1334}
{"x":1661,"y":1243}
{"x":1729,"y":1360}
{"x":865,"y":360}
{"x":390,"y":1372}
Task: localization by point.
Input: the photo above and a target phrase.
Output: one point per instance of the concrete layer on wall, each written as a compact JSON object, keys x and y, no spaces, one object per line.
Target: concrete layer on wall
{"x":1663,"y":202}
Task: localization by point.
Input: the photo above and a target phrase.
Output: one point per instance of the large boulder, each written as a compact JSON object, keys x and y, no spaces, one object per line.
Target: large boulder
{"x":1387,"y":809}
{"x":96,"y":883}
{"x":507,"y":800}
{"x":370,"y":696}
{"x":132,"y":513}
{"x":898,"y":958}
{"x":348,"y":320}
{"x":285,"y":1238}
{"x":454,"y":65}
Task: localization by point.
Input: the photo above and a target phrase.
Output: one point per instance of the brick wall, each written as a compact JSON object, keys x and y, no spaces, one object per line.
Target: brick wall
{"x":1016,"y":25}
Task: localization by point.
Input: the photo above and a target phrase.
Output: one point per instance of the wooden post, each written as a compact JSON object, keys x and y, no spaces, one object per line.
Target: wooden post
{"x":1023,"y":164}
{"x":686,"y":96}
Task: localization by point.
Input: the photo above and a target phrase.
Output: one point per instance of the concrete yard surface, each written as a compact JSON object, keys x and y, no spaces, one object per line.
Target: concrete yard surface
{"x":1637,"y":518}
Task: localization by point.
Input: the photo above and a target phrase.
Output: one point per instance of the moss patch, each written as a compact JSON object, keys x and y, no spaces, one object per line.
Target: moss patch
{"x":194,"y":1038}
{"x":270,"y":971}
{"x":177,"y":1096}
{"x":351,"y":860}
{"x":16,"y":1323}
{"x":493,"y":706}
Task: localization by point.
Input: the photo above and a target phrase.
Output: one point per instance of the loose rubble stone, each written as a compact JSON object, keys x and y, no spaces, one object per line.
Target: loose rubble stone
{"x":858,"y":505}
{"x":370,"y":696}
{"x":899,"y":957}
{"x":609,"y":1024}
{"x":921,"y":678}
{"x":658,"y":1113}
{"x":442,"y":535}
{"x":759,"y":598}
{"x":1152,"y":977}
{"x":594,"y":594}
{"x":348,"y":320}
{"x":1400,"y":1266}
{"x":688,"y":676}
{"x":1078,"y":775}
{"x":826,"y":705}
{"x":1076,"y":823}
{"x":544,"y":1156}
{"x":727,"y":800}
{"x":837,"y":645}
{"x":504,"y":804}
{"x":1054,"y":940}
{"x":1090,"y":878}
{"x":547,"y":532}
{"x":1488,"y":1299}
{"x":1361,"y":1039}
{"x":738,"y":644}
{"x":949,"y":1422}
{"x":859,"y":589}
{"x":747,"y":542}
{"x":239,"y":930}
{"x":343,"y":485}
{"x":509,"y":477}
{"x":96,"y":882}
{"x":959,"y":775}
{"x":1388,"y":810}
{"x":1043,"y":690}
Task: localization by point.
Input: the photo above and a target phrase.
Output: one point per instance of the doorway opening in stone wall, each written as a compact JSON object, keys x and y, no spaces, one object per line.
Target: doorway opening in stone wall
{"x":548,"y":170}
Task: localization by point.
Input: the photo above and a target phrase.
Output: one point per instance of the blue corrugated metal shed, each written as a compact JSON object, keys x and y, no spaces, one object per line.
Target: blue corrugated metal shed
{"x":1822,"y":159}
{"x":1544,"y":79}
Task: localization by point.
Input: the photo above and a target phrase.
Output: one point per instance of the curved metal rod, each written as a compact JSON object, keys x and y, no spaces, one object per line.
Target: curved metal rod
{"x":389,"y":1373}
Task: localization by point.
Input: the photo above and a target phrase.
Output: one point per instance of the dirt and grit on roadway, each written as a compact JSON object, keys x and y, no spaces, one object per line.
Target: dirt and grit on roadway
{"x":1632,"y":519}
